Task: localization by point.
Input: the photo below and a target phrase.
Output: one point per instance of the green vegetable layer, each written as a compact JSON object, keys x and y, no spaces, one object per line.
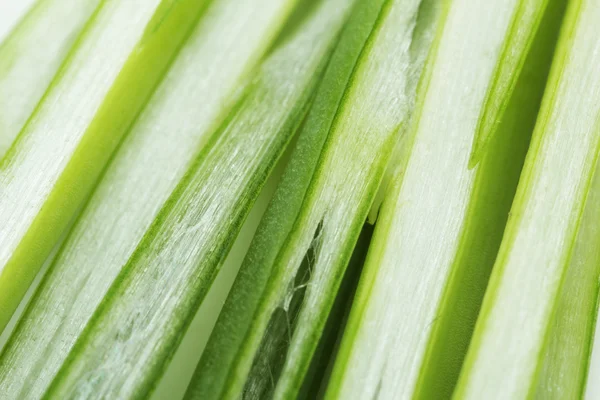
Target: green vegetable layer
{"x":442,"y":222}
{"x":30,"y":57}
{"x":229,"y":40}
{"x":271,"y":324}
{"x":55,"y":161}
{"x":145,"y":313}
{"x":546,"y":239}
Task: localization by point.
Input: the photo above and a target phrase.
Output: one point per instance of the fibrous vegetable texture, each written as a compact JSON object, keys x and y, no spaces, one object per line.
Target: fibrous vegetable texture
{"x":420,"y":176}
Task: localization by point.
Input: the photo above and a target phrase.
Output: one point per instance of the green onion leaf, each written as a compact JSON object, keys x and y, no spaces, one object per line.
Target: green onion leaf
{"x":229,"y":40}
{"x":56,"y":159}
{"x":547,"y":265}
{"x":30,"y":57}
{"x":265,"y":338}
{"x":144,"y":314}
{"x":442,"y":222}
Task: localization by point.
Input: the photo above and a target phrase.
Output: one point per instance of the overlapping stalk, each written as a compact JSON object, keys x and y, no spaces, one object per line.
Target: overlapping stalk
{"x":230,"y":39}
{"x":268,"y":332}
{"x":442,"y":222}
{"x":55,"y":161}
{"x":533,"y":336}
{"x":144,"y":314}
{"x":162,"y":119}
{"x":30,"y":57}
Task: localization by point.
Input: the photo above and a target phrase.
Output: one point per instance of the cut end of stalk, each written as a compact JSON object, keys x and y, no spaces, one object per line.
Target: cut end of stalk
{"x":524,"y":25}
{"x":486,"y":129}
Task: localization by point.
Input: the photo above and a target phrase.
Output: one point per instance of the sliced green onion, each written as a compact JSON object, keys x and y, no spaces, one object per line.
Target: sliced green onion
{"x":228,"y":42}
{"x":31,"y":56}
{"x":145,"y":313}
{"x":442,"y":221}
{"x":54,"y":163}
{"x":549,"y":249}
{"x":267,"y":334}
